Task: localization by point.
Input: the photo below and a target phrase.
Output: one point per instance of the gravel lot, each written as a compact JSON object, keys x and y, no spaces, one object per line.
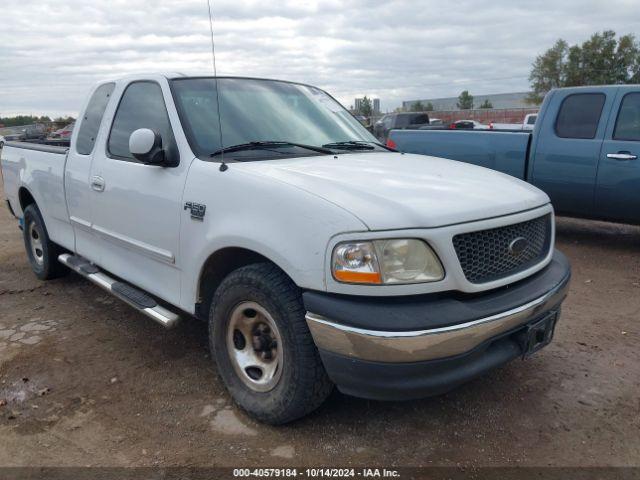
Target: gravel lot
{"x":85,"y":380}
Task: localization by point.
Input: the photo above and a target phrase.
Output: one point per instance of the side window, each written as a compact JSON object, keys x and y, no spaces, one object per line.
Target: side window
{"x":92,"y":118}
{"x":628,"y":122}
{"x":420,"y":119}
{"x":579,"y":115}
{"x":402,"y":121}
{"x":141,"y":106}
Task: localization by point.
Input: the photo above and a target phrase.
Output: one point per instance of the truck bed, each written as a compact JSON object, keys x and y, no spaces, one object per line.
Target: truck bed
{"x":506,"y":152}
{"x":42,"y":168}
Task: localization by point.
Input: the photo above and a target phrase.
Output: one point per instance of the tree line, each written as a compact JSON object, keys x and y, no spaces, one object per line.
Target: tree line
{"x":465,"y":102}
{"x":20,"y":120}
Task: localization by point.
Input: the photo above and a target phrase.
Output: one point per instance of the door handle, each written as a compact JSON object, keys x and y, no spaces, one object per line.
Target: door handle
{"x":622,"y":156}
{"x":97,"y":183}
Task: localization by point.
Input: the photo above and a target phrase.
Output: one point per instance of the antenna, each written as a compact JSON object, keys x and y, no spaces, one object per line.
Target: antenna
{"x":223,"y":166}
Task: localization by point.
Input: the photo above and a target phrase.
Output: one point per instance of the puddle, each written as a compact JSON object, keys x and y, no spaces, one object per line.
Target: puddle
{"x":227,"y":422}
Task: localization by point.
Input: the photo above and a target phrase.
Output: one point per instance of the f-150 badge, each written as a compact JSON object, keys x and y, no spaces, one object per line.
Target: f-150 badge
{"x":197,"y":210}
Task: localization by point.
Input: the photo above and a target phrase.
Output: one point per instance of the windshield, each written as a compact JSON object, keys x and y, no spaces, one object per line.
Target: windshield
{"x":254,"y":110}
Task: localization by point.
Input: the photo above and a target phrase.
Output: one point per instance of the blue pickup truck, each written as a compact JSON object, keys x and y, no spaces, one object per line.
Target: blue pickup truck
{"x":583,"y":151}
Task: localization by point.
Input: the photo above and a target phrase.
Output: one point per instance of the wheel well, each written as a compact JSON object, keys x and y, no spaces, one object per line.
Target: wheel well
{"x":216,"y":268}
{"x":25,"y":198}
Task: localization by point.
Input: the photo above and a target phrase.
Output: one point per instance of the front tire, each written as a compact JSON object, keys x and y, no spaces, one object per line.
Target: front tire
{"x":41,"y":251}
{"x":263,"y":348}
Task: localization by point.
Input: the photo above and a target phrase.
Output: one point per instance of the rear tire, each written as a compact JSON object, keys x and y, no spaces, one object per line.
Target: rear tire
{"x":41,"y":251}
{"x":263,"y":348}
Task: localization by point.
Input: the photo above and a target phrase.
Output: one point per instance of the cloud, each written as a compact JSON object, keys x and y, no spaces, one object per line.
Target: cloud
{"x":51,"y":52}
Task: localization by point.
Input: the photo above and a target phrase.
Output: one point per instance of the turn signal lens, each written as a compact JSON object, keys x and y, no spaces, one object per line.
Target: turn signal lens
{"x":356,"y":263}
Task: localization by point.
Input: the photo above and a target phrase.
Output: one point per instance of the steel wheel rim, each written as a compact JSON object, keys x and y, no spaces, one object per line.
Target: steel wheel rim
{"x":255,"y":345}
{"x":35,"y":242}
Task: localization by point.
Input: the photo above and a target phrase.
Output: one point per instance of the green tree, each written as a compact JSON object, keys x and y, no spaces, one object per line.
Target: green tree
{"x":429,"y":107}
{"x":366,"y":107}
{"x":417,"y":106}
{"x":465,"y":101}
{"x":601,"y":60}
{"x":64,"y":120}
{"x":486,"y":104}
{"x":20,"y":120}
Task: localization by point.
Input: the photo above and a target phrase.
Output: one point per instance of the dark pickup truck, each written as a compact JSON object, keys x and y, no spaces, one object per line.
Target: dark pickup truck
{"x":393,"y":121}
{"x":583,"y":151}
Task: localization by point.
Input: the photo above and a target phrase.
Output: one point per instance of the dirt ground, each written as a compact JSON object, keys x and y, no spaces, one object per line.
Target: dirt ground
{"x":85,"y":380}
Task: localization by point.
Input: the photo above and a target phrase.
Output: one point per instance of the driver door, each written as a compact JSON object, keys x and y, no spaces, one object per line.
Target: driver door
{"x":136,"y":207}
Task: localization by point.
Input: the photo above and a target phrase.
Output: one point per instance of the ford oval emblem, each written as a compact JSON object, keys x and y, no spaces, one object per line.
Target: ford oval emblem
{"x":518,"y":246}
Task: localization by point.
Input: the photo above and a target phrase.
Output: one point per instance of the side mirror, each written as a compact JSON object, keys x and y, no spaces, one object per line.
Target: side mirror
{"x":146,"y":145}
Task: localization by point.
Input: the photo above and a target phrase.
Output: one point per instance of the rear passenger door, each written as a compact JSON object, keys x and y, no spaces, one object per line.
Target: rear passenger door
{"x":618,"y":184}
{"x":78,"y":170}
{"x":568,"y":148}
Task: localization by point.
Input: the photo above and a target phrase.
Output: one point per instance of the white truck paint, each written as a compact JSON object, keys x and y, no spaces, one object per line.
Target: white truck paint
{"x":138,"y":220}
{"x":527,"y":124}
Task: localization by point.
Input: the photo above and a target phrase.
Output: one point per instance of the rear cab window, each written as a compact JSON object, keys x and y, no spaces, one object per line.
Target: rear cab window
{"x":92,"y":118}
{"x":579,"y":115}
{"x":628,"y":121}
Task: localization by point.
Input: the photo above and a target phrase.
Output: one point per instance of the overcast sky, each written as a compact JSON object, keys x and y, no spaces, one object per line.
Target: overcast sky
{"x":52,"y":51}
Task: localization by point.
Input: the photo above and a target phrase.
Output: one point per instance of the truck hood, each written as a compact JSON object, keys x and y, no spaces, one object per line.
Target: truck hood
{"x":390,"y":191}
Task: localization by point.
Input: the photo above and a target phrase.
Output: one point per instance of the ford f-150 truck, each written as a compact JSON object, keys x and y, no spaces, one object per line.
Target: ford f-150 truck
{"x":583,"y":151}
{"x":317,"y":256}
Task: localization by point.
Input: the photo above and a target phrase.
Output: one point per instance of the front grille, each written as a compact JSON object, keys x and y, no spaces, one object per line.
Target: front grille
{"x":489,"y":255}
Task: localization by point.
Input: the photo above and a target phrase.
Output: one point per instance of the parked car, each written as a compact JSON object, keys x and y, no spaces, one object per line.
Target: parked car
{"x":63,"y":133}
{"x":467,"y":125}
{"x":393,"y":121}
{"x":527,"y":124}
{"x":14,"y":136}
{"x":529,"y":121}
{"x":583,"y":151}
{"x":32,"y":133}
{"x":2,"y":142}
{"x":317,"y":256}
{"x":362,"y":119}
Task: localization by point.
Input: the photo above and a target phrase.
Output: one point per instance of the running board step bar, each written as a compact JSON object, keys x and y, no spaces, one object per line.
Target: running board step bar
{"x":138,"y":299}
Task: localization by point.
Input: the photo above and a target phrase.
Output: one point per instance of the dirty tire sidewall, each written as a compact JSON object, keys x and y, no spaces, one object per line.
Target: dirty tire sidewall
{"x":50,"y":267}
{"x":303,"y":384}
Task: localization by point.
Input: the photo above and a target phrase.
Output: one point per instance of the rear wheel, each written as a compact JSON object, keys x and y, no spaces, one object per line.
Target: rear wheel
{"x":262,"y":346}
{"x":41,"y":251}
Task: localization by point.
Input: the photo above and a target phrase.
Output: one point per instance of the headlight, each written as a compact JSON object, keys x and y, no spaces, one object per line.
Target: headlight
{"x":394,"y":261}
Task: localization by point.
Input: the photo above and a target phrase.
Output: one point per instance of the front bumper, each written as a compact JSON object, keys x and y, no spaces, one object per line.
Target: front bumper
{"x":458,"y":337}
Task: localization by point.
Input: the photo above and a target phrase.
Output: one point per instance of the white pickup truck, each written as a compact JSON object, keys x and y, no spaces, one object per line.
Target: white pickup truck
{"x":527,"y":124}
{"x":317,"y":256}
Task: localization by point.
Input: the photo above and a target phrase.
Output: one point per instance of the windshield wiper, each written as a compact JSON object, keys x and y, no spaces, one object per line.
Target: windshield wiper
{"x":353,"y":145}
{"x":265,"y":144}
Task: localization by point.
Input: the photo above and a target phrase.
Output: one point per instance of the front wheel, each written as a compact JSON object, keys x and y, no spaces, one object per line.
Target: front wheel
{"x":263,"y":348}
{"x":41,"y":251}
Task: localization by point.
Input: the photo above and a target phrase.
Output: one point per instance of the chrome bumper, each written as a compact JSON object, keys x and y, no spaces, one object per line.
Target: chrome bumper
{"x":422,"y":345}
